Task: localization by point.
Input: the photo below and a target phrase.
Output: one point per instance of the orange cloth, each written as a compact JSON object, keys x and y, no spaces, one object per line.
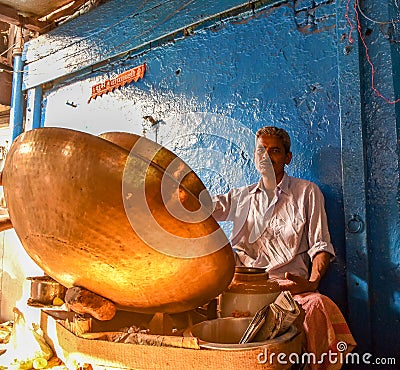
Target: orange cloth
{"x":326,"y":331}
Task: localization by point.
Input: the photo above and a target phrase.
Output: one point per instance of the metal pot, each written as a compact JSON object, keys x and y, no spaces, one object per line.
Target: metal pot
{"x":44,"y":289}
{"x":250,"y":290}
{"x":225,"y":333}
{"x":107,"y":224}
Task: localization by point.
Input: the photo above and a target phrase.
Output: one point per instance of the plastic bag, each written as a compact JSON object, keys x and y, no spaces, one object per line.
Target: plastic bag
{"x":26,"y":346}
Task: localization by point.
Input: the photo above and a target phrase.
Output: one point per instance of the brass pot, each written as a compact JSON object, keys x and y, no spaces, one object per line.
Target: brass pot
{"x":65,"y":197}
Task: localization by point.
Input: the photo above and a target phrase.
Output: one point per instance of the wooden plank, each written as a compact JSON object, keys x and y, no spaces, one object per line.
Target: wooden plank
{"x":118,"y":27}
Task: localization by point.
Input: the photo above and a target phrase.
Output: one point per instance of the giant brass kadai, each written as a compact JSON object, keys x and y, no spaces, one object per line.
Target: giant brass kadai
{"x":63,"y":190}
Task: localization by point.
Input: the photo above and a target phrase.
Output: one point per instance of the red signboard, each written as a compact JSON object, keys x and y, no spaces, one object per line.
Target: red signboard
{"x":114,"y":83}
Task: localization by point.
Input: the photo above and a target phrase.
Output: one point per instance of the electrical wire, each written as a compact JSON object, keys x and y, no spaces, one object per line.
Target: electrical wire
{"x":6,"y":51}
{"x":351,"y":40}
{"x":350,"y":36}
{"x":377,"y":92}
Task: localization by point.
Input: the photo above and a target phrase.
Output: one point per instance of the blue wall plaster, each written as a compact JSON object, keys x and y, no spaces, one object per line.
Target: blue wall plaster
{"x":382,"y":165}
{"x":214,"y":88}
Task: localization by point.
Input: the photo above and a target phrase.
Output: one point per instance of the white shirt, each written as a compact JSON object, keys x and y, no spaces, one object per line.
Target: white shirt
{"x":282,"y":235}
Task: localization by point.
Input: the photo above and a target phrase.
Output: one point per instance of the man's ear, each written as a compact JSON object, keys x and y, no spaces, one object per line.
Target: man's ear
{"x":288,"y":158}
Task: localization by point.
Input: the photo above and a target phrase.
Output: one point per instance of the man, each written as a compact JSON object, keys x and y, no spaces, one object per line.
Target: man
{"x":280,"y":224}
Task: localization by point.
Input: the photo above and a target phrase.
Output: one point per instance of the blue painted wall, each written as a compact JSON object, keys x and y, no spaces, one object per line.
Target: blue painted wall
{"x":212,"y":81}
{"x":380,"y":121}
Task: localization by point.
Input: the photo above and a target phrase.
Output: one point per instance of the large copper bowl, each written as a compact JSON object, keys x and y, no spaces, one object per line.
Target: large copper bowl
{"x":63,"y":190}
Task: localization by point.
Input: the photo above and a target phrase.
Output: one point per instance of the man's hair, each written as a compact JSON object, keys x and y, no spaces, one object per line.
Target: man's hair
{"x":276,"y":131}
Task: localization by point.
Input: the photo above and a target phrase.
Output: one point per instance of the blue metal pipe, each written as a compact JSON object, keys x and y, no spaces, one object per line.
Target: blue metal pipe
{"x":37,"y":108}
{"x":17,"y":99}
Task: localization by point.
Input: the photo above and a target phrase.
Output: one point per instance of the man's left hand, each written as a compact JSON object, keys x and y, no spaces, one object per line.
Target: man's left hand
{"x":297,"y":284}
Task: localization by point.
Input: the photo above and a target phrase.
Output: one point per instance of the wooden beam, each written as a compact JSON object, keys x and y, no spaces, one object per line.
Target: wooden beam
{"x":64,"y":11}
{"x":11,"y":16}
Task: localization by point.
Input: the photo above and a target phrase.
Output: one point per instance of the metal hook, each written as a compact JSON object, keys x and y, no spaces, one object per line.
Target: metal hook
{"x":355,"y":224}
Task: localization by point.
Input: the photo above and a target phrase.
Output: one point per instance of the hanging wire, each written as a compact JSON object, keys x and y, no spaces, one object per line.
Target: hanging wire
{"x":377,"y":92}
{"x":6,"y":51}
{"x":350,"y":36}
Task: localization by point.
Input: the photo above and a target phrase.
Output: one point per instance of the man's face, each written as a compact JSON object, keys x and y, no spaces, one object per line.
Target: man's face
{"x":270,"y":149}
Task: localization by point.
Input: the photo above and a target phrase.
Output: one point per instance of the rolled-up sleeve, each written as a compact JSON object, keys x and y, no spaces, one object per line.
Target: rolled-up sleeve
{"x":319,"y":239}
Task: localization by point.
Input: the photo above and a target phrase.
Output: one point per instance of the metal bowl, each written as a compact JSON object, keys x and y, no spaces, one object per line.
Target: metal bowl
{"x":225,"y":333}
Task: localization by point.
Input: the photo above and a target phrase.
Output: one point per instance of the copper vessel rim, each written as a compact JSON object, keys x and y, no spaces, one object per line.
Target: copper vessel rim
{"x":250,"y":270}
